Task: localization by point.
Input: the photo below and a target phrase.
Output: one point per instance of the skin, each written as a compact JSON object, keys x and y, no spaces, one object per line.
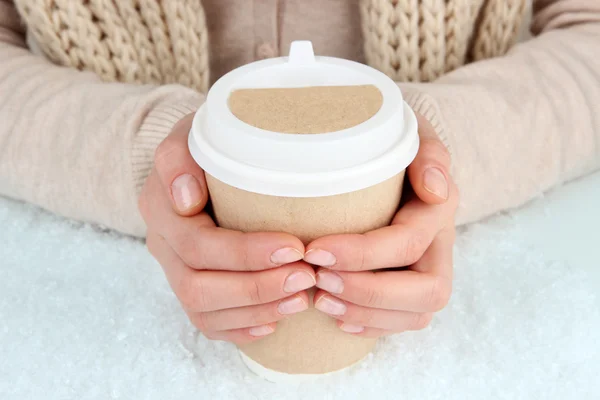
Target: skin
{"x":234,"y":286}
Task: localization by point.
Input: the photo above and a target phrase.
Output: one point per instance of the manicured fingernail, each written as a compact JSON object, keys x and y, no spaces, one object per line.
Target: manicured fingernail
{"x":435,"y":182}
{"x":262,"y":330}
{"x":350,"y":328}
{"x":298,"y":281}
{"x":320,"y":257}
{"x":330,"y":305}
{"x":186,"y":192}
{"x":330,"y":282}
{"x":286,"y":255}
{"x":292,"y":305}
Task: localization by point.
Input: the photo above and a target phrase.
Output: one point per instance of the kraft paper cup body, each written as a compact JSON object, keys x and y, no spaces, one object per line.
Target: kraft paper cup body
{"x":309,"y":342}
{"x":309,"y":185}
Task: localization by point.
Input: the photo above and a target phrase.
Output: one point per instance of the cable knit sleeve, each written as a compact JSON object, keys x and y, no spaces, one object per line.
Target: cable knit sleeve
{"x":73,"y":144}
{"x":519,"y":124}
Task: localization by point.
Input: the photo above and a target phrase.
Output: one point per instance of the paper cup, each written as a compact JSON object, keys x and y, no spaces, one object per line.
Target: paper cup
{"x":343,"y":173}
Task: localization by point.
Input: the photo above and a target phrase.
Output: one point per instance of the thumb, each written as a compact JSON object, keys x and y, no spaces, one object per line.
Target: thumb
{"x":181,"y":177}
{"x":429,"y":173}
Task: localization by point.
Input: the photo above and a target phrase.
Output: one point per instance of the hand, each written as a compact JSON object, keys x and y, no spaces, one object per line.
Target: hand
{"x":226,"y":280}
{"x":375,"y":303}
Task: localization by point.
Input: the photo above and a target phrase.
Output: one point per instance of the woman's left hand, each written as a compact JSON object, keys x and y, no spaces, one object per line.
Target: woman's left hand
{"x":355,"y":287}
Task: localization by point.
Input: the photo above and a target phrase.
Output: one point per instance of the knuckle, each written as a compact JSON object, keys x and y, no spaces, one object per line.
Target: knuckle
{"x":254,"y":292}
{"x":421,"y":321}
{"x":415,"y":246}
{"x":243,"y":252}
{"x":365,"y":318}
{"x":199,"y":320}
{"x":192,"y":296}
{"x":364,"y":253}
{"x":434,"y":147}
{"x":187,"y":248}
{"x":164,"y":151}
{"x":190,"y":250}
{"x":437,"y":296}
{"x":186,"y":297}
{"x":260,"y":316}
{"x":374,"y":297}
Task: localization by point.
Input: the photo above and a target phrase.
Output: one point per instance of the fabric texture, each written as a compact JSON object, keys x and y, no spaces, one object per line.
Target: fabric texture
{"x":149,"y":41}
{"x":80,"y":124}
{"x":420,"y":40}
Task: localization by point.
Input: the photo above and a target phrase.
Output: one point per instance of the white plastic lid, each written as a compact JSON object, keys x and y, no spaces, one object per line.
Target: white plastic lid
{"x":303,"y":165}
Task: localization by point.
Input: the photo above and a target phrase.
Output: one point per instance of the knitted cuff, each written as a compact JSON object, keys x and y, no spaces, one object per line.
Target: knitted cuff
{"x":425,"y":104}
{"x":155,"y":127}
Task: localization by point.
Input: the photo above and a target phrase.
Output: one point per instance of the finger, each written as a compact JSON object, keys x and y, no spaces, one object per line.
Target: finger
{"x":363,"y":331}
{"x":391,"y":290}
{"x":400,"y":244}
{"x":204,"y":291}
{"x":355,"y":315}
{"x":242,"y":336}
{"x":244,"y":317}
{"x":430,"y":170}
{"x":439,"y":257}
{"x":427,"y":288}
{"x":202,"y":245}
{"x":181,"y":177}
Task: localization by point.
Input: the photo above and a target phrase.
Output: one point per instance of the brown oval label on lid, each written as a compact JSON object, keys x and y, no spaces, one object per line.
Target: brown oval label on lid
{"x":315,"y":109}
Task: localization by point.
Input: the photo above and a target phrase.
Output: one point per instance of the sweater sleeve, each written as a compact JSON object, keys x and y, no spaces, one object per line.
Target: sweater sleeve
{"x":520,"y":124}
{"x":73,"y":144}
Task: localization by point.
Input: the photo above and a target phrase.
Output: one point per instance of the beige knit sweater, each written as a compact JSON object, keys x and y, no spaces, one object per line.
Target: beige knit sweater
{"x":80,"y":143}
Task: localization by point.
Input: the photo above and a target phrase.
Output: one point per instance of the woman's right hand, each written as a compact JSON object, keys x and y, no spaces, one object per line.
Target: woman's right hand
{"x":233,"y":286}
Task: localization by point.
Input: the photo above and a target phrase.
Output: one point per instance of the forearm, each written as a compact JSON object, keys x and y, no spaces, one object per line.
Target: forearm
{"x":521,"y":124}
{"x":75,"y":145}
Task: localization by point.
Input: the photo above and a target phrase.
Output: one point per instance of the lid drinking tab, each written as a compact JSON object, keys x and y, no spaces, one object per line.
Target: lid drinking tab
{"x":301,"y":53}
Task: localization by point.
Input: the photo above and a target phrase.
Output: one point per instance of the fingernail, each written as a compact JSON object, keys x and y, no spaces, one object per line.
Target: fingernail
{"x":298,"y":281}
{"x":320,"y":257}
{"x":286,"y":255}
{"x":330,"y":305}
{"x":350,"y":328}
{"x":186,"y":192}
{"x":292,"y":306}
{"x":435,"y":182}
{"x":262,"y":330}
{"x":330,"y":282}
